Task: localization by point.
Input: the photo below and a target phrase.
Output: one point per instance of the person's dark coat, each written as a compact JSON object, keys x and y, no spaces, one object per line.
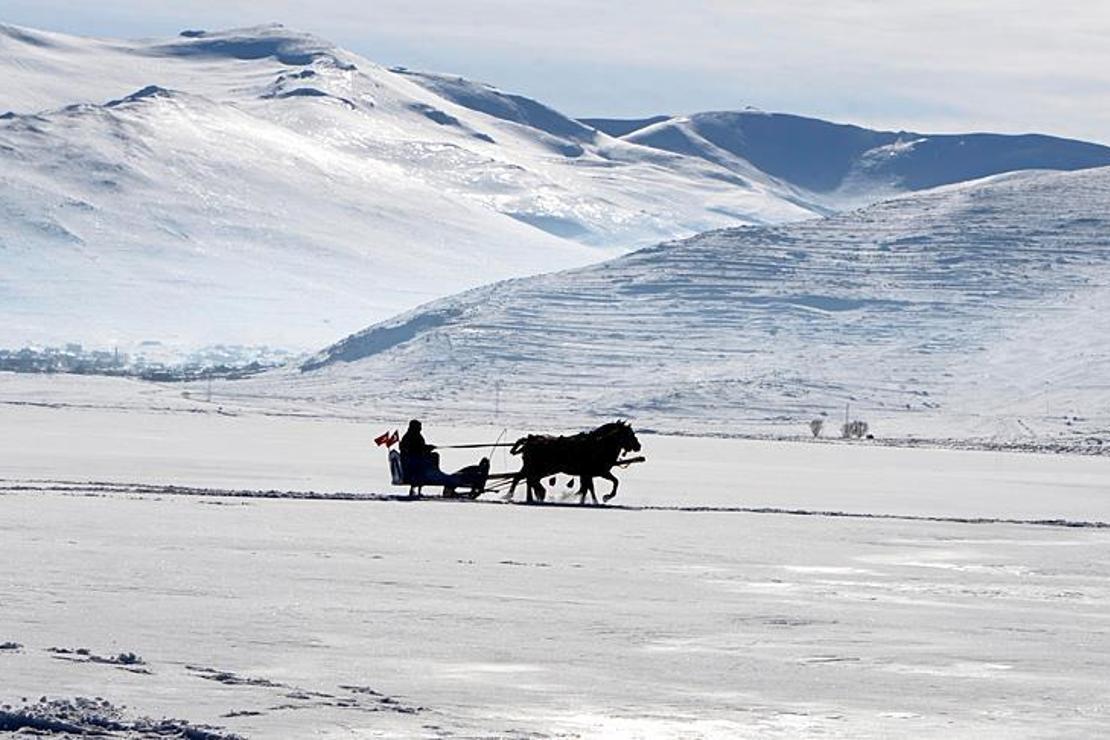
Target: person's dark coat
{"x":418,"y":458}
{"x":413,"y":444}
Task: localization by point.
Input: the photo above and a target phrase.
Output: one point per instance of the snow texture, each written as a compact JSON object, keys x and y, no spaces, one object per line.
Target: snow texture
{"x":261,"y":186}
{"x":978,"y":310}
{"x":922,"y":615}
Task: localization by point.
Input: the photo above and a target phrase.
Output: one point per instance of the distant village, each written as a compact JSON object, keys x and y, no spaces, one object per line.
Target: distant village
{"x":220,"y":361}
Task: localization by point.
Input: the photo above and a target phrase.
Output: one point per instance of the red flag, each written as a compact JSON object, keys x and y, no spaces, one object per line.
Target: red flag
{"x":388,"y":439}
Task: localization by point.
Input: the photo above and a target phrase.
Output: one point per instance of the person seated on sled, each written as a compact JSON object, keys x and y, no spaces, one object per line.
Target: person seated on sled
{"x":419,"y":460}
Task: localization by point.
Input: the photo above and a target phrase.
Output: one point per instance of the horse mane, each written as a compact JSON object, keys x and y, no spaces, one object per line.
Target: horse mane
{"x":601,"y":432}
{"x":610,"y":428}
{"x":518,"y":446}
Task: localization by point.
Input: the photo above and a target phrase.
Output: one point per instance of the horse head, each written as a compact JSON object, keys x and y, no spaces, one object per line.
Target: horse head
{"x":633,"y":442}
{"x":625,"y":437}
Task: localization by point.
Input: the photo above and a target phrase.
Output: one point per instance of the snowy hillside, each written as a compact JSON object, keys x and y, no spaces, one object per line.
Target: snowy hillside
{"x":974,"y":310}
{"x":166,"y":216}
{"x":850,"y":163}
{"x":263,"y":186}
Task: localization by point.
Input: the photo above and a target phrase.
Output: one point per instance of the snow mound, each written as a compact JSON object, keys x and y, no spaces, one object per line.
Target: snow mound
{"x":98,"y":717}
{"x":973,"y":310}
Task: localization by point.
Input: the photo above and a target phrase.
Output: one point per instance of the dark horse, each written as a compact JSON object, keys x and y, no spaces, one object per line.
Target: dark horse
{"x":587,"y":455}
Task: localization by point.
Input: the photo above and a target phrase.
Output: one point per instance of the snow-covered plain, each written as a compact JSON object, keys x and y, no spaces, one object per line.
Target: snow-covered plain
{"x":71,"y":428}
{"x":973,"y":311}
{"x":700,"y":618}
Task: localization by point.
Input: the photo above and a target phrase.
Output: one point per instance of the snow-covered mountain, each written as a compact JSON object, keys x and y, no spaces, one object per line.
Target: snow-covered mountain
{"x":849,"y":163}
{"x":262,"y":185}
{"x":981,"y":309}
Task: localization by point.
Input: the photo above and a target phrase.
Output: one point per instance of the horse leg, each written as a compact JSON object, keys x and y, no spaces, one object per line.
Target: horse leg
{"x":586,"y":485}
{"x":529,"y":489}
{"x":590,"y":490}
{"x":613,"y":479}
{"x":532,"y":485}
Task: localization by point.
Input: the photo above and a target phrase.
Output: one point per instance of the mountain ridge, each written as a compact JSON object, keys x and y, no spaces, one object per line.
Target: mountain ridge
{"x":265,"y":186}
{"x":408,"y":196}
{"x":788,"y":147}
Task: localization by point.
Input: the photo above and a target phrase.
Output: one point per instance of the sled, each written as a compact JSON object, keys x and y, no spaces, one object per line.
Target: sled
{"x":468,"y":482}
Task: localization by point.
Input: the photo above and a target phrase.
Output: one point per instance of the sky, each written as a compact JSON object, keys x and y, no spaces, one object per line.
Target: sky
{"x":1011,"y":66}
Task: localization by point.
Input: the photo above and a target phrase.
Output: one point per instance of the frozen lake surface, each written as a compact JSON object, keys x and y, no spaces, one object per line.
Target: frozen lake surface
{"x":296,"y":618}
{"x":492,"y":620}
